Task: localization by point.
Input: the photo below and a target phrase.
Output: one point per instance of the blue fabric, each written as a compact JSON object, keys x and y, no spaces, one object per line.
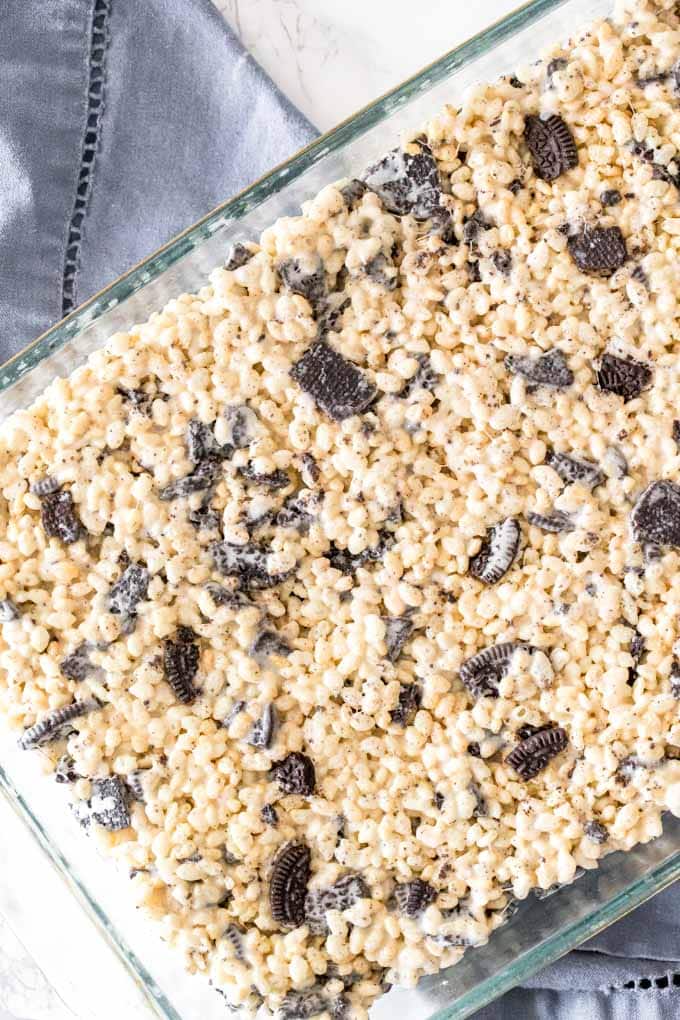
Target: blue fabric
{"x":188,"y":119}
{"x":91,"y":182}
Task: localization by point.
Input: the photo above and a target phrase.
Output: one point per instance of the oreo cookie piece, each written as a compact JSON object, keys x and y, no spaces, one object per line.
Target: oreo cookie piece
{"x":637,"y":646}
{"x":660,"y":172}
{"x":309,"y":470}
{"x":242,"y":426}
{"x":409,"y":701}
{"x":498,"y":551}
{"x":45,"y":486}
{"x":425,"y":377}
{"x":222,"y":596}
{"x":109,"y":803}
{"x":610,"y":197}
{"x":233,"y":933}
{"x":269,"y":815}
{"x":268,"y":642}
{"x":676,"y":433}
{"x":295,"y":774}
{"x":335,"y":384}
{"x":627,"y":769}
{"x":406,"y":183}
{"x":306,"y":276}
{"x":558,"y":64}
{"x":77,"y":665}
{"x":201,"y":443}
{"x":572,"y":469}
{"x":8,"y":611}
{"x":382,"y":271}
{"x":59,"y":517}
{"x":288,"y":884}
{"x":238,"y":256}
{"x":625,"y":377}
{"x":181,"y":658}
{"x":65,"y":772}
{"x":205,"y":518}
{"x":529,"y":729}
{"x":353,"y":192}
{"x":262,"y":730}
{"x":655,"y":518}
{"x":139,"y":399}
{"x":272,"y":480}
{"x":615,"y":459}
{"x":203,"y":477}
{"x":598,"y":251}
{"x":637,"y":650}
{"x":473,"y":270}
{"x":414,"y":897}
{"x":595,"y":832}
{"x":330,"y":313}
{"x":675,"y":679}
{"x":135,"y":782}
{"x":551,"y":146}
{"x":349,"y":563}
{"x":298,"y":512}
{"x":56,"y":725}
{"x":482,"y":673}
{"x":398,"y":630}
{"x":130,"y":589}
{"x":555,"y":523}
{"x":235,"y":710}
{"x":248,"y":564}
{"x":303,"y":1005}
{"x":534,"y":753}
{"x":550,"y":369}
{"x":473,"y":226}
{"x":481,"y":808}
{"x":502,"y":261}
{"x":342,"y":895}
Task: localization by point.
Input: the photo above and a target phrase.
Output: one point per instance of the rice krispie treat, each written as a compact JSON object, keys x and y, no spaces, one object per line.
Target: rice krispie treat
{"x":343,"y":594}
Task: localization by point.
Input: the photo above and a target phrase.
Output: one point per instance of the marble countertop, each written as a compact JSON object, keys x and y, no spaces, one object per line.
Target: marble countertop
{"x":330,"y":58}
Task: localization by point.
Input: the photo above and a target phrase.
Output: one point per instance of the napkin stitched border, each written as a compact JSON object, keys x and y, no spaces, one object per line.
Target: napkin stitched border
{"x":99,"y":39}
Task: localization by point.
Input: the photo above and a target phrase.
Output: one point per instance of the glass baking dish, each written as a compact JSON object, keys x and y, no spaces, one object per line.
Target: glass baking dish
{"x":541,"y":930}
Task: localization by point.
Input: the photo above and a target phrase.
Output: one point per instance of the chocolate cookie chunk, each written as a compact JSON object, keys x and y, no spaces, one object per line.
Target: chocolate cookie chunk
{"x":248,"y":564}
{"x":238,"y":256}
{"x":573,"y":469}
{"x":335,"y":384}
{"x":288,"y":884}
{"x":295,"y":774}
{"x":535,"y":752}
{"x":656,"y":515}
{"x":60,"y":518}
{"x":482,"y":673}
{"x":180,"y":664}
{"x":551,"y":146}
{"x":413,"y":897}
{"x":550,"y":369}
{"x":56,"y":725}
{"x":498,"y":551}
{"x":625,"y":377}
{"x":598,"y":251}
{"x":406,"y":183}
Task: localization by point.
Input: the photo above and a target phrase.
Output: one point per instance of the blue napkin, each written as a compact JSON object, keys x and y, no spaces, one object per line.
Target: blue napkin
{"x":121,"y":123}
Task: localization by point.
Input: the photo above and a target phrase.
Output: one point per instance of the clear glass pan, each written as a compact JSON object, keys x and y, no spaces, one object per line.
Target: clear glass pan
{"x":541,"y":931}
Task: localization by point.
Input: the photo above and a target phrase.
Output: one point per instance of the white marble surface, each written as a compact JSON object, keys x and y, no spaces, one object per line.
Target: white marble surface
{"x":331,"y":57}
